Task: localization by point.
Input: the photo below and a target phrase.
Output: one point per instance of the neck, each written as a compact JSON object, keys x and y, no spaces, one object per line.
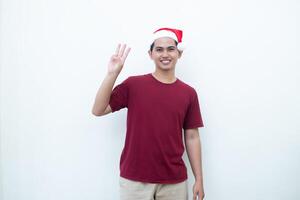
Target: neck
{"x":165,"y":76}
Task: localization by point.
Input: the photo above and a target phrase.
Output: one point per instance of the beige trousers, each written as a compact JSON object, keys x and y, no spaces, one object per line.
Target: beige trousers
{"x":134,"y":190}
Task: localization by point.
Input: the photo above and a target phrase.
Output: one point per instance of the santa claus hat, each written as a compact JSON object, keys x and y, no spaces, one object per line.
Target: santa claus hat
{"x":175,"y":34}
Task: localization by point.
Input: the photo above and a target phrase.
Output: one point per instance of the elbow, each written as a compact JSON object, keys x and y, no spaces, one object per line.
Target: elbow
{"x":97,"y":113}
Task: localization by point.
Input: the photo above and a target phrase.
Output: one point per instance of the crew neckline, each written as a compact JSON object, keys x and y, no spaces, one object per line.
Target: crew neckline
{"x":151,"y":75}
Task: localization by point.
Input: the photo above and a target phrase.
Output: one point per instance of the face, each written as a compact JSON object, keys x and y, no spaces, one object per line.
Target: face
{"x":165,"y":53}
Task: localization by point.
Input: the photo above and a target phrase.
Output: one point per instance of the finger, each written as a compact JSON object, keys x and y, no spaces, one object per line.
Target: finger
{"x":126,"y":54}
{"x":118,"y":49}
{"x":194,"y":196}
{"x":121,"y":52}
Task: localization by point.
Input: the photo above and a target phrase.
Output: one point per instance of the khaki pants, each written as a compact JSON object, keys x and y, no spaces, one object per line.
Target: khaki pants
{"x":134,"y":190}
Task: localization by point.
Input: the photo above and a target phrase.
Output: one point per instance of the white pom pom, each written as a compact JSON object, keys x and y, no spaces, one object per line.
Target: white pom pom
{"x":180,"y":46}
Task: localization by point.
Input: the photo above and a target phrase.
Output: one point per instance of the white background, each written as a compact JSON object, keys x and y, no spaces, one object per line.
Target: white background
{"x":242,"y":57}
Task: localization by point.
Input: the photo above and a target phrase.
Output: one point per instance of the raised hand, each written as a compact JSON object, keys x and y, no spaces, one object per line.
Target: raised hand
{"x":117,"y":60}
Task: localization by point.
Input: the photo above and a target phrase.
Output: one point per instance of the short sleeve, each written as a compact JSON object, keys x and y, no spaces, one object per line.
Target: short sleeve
{"x":193,"y":118}
{"x":119,"y":96}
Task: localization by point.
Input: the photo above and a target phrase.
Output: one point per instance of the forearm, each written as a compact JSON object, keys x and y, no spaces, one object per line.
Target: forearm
{"x":104,"y":93}
{"x":193,"y":148}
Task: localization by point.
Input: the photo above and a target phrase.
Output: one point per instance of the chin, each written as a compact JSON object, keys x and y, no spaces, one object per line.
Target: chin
{"x":166,"y":67}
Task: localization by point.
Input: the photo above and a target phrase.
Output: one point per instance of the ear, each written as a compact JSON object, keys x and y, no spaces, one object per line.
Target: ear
{"x":150,"y":54}
{"x":180,"y":53}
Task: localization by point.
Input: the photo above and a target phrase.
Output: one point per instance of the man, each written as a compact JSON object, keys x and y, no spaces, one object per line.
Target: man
{"x":159,"y":107}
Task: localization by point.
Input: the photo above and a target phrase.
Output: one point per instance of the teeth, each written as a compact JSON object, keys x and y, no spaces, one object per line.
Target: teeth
{"x":165,"y":61}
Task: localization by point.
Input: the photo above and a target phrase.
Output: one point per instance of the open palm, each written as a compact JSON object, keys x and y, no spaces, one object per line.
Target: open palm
{"x":117,"y":60}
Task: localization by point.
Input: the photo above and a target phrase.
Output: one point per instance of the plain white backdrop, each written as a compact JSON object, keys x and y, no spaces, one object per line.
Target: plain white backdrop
{"x":242,"y":57}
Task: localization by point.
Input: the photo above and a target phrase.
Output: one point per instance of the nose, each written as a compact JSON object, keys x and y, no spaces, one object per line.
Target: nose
{"x":165,"y":53}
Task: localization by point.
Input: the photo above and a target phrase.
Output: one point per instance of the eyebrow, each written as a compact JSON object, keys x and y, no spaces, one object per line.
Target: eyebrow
{"x":166,"y":47}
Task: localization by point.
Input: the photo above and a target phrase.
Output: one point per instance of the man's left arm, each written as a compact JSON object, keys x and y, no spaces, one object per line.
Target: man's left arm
{"x":193,"y":149}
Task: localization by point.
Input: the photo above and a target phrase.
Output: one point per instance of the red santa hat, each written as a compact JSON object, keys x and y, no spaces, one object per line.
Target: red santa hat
{"x":175,"y":34}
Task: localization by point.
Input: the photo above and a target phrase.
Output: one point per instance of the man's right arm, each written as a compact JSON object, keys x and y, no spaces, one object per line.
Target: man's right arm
{"x":115,"y":65}
{"x":101,"y":106}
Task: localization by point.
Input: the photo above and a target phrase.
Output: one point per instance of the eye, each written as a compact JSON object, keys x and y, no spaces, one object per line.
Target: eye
{"x":171,"y":48}
{"x":158,"y":49}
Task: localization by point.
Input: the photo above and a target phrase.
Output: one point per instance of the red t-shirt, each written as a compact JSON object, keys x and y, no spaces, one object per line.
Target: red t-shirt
{"x":157,"y":113}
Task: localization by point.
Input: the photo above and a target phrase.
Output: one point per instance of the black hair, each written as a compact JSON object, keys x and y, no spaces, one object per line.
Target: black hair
{"x":152,"y":45}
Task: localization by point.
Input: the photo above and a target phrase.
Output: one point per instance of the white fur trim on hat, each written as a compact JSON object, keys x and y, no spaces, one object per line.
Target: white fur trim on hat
{"x":164,"y":33}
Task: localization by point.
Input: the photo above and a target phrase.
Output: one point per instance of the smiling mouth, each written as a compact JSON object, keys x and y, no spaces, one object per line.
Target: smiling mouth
{"x":165,"y":61}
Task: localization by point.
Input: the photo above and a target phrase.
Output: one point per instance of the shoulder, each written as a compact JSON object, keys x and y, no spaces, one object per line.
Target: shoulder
{"x":135,"y":78}
{"x":187,"y":87}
